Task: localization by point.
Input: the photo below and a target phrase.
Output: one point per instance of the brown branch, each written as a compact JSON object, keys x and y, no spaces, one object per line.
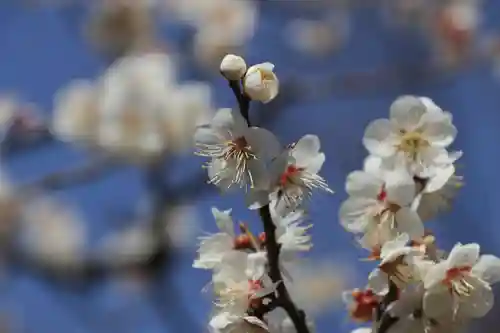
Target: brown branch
{"x":273,"y":251}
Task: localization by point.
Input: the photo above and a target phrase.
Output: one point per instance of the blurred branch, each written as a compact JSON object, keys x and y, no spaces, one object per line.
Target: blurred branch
{"x":93,"y":170}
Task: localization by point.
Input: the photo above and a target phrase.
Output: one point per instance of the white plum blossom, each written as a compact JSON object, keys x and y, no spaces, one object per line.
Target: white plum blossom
{"x":75,"y":112}
{"x":293,"y":177}
{"x":240,"y":284}
{"x":461,"y":283}
{"x":361,"y":303}
{"x":413,"y":134}
{"x":408,"y":177}
{"x":54,"y":233}
{"x":376,"y":203}
{"x":397,"y":264}
{"x":214,"y":247}
{"x":362,"y":330}
{"x":233,"y":67}
{"x":438,"y":193}
{"x":238,"y":152}
{"x":260,"y":83}
{"x":291,"y":233}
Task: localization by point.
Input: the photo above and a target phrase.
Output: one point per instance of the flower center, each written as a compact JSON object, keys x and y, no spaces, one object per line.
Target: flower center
{"x":375,"y":253}
{"x":382,"y":195}
{"x":364,"y":304}
{"x":456,"y":282}
{"x":289,"y":174}
{"x":254,"y":286}
{"x":398,"y":270}
{"x":411,"y":143}
{"x":238,"y":149}
{"x":242,"y":242}
{"x":266,"y":75}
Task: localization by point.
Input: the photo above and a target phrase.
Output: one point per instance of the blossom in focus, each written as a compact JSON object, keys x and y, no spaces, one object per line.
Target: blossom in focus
{"x":436,"y":199}
{"x":260,"y":83}
{"x":361,"y":304}
{"x":461,"y":283}
{"x":233,"y":67}
{"x":292,"y":235}
{"x":413,"y":135}
{"x":293,"y":177}
{"x":238,"y":152}
{"x":397,"y":264}
{"x":214,"y":247}
{"x":240,"y":284}
{"x":375,"y":203}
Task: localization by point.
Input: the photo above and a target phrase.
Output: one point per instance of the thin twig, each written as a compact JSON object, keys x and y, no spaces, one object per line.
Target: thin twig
{"x":242,"y":99}
{"x":385,"y":320}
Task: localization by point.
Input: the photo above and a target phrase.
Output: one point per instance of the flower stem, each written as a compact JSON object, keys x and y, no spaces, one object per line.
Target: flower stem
{"x":273,"y":250}
{"x":384,"y":319}
{"x":243,"y":100}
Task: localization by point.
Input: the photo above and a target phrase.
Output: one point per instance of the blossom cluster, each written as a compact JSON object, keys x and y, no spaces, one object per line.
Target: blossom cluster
{"x":135,"y":110}
{"x":250,"y":278}
{"x":407,"y":179}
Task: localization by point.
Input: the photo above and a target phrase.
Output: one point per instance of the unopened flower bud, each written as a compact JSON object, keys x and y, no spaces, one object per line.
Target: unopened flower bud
{"x":233,"y":67}
{"x":260,"y":83}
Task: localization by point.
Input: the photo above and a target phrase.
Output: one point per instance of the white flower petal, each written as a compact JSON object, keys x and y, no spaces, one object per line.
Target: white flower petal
{"x":409,"y":222}
{"x":438,"y":129}
{"x":229,"y":120}
{"x":479,"y":303}
{"x":263,"y":142}
{"x":379,"y":139}
{"x":464,"y":255}
{"x":406,"y":112}
{"x":259,"y":174}
{"x":224,"y":221}
{"x":487,"y":268}
{"x":438,"y":303}
{"x":315,"y":164}
{"x":362,"y":330}
{"x":219,"y":167}
{"x":256,"y":199}
{"x":378,"y":281}
{"x":256,"y":265}
{"x":207,"y":136}
{"x":435,"y":275}
{"x":354,"y":213}
{"x":306,"y":149}
{"x":439,"y":179}
{"x":400,"y":187}
{"x":396,"y":244}
{"x":363,"y":184}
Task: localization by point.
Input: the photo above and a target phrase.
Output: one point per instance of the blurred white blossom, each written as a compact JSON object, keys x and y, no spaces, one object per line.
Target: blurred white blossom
{"x":54,"y":233}
{"x":135,"y":110}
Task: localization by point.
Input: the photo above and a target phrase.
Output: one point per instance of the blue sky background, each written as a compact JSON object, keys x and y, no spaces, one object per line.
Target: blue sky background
{"x":42,"y":49}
